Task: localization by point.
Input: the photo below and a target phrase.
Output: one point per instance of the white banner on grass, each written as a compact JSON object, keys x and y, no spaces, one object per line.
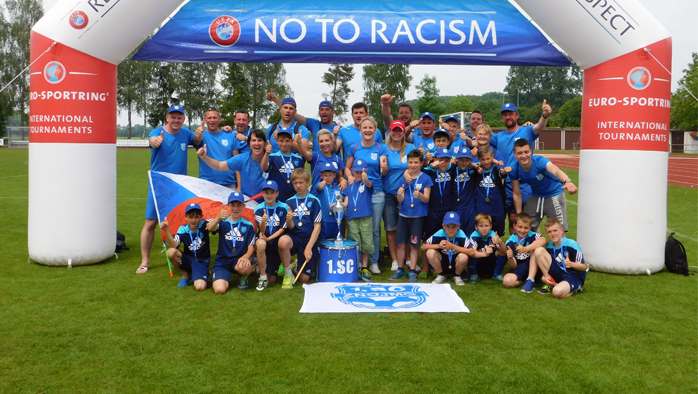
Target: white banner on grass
{"x":380,"y":297}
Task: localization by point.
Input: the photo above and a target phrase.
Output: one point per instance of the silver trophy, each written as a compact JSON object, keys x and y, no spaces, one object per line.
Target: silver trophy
{"x":338,"y":211}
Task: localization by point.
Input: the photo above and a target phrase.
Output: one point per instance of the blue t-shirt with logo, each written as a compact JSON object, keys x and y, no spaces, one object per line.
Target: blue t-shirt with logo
{"x":504,"y":142}
{"x":396,"y":169}
{"x":412,"y":207}
{"x":171,"y":155}
{"x":251,"y":174}
{"x":238,"y":235}
{"x":328,"y":196}
{"x":480,"y":242}
{"x":281,"y":167}
{"x":426,"y":143}
{"x":219,"y":146}
{"x":314,"y":126}
{"x":514,"y":240}
{"x":306,"y":210}
{"x":317,"y":165}
{"x":350,"y":135}
{"x":276,"y":214}
{"x":486,"y":188}
{"x":572,"y":250}
{"x":196,"y":243}
{"x":359,"y":196}
{"x":462,"y":187}
{"x":543,"y":183}
{"x":440,"y":199}
{"x":242,"y":145}
{"x":270,"y":134}
{"x":460,"y":239}
{"x":371,"y":155}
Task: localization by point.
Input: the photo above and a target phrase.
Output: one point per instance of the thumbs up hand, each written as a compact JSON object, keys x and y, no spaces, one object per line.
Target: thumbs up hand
{"x":271,"y":96}
{"x":157,"y":141}
{"x":202,"y":151}
{"x":547,"y":110}
{"x":267,"y":149}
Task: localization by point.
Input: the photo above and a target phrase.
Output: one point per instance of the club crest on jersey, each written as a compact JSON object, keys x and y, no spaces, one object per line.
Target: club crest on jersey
{"x":374,"y":156}
{"x":183,"y":146}
{"x":224,"y":31}
{"x":361,"y":188}
{"x":430,"y":145}
{"x":456,"y":149}
{"x":539,"y":177}
{"x":334,"y":163}
{"x":225,"y":142}
{"x":378,"y":296}
{"x":78,"y":20}
{"x":418,"y":186}
{"x":404,"y":159}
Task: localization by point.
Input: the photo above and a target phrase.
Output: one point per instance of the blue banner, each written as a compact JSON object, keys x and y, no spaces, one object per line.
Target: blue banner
{"x":489,"y":32}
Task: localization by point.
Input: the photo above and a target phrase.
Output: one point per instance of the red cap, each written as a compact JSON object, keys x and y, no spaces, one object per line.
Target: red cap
{"x":397,"y":124}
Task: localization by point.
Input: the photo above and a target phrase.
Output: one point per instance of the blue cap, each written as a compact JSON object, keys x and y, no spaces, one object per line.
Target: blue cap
{"x":289,"y":100}
{"x":452,"y":117}
{"x":359,"y":165}
{"x":176,"y":108}
{"x":236,"y":196}
{"x":451,"y":218}
{"x":442,"y":131}
{"x":428,"y":115}
{"x":509,"y":107}
{"x":327,"y":166}
{"x":270,"y":185}
{"x":326,"y":104}
{"x":191,"y":207}
{"x":285,"y":130}
{"x":462,"y":152}
{"x":442,"y":152}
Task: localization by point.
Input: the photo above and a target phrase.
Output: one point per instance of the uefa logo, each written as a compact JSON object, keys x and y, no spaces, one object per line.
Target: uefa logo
{"x":378,"y":296}
{"x":78,"y":20}
{"x":54,"y":72}
{"x":224,"y":31}
{"x":639,"y":78}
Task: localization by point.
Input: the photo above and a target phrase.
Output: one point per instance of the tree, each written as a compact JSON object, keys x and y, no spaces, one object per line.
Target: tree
{"x":196,"y":84}
{"x":380,"y":79}
{"x":338,"y":77}
{"x":428,"y":94}
{"x":460,"y":103}
{"x":6,"y":97}
{"x":570,"y":114}
{"x":235,"y":94}
{"x":527,"y":86}
{"x":160,"y":93}
{"x":684,"y":107}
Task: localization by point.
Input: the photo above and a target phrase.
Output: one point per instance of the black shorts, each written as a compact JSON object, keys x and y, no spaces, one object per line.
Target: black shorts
{"x":409,"y":230}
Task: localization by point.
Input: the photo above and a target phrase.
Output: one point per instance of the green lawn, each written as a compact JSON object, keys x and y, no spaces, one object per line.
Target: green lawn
{"x":104,"y":329}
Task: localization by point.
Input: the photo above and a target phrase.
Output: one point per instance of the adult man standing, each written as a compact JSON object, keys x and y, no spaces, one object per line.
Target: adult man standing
{"x":168,"y":153}
{"x":221,"y":146}
{"x":326,"y":112}
{"x":288,"y":112}
{"x":405,"y":113}
{"x":242,"y":129}
{"x":347,"y":137}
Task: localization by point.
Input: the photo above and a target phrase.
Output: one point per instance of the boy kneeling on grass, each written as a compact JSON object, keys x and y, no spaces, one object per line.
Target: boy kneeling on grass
{"x":235,"y":245}
{"x":520,"y":247}
{"x":193,"y":262}
{"x":561,"y":262}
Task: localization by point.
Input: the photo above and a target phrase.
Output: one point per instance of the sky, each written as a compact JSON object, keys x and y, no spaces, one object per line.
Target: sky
{"x":678,"y":16}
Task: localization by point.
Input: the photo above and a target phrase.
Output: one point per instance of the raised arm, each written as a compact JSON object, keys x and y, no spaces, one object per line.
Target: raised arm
{"x":303,"y":148}
{"x":386,"y":99}
{"x":543,"y":121}
{"x":566,"y":181}
{"x":213,"y":163}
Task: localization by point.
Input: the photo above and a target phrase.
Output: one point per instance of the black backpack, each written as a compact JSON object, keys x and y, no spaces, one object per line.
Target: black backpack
{"x":675,"y":258}
{"x":120,"y":242}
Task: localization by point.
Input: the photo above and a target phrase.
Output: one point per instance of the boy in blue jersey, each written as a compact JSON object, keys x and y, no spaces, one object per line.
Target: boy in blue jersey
{"x":280,"y":165}
{"x":220,"y":146}
{"x":168,"y":153}
{"x":288,"y":112}
{"x":548,"y":184}
{"x":489,"y":189}
{"x":448,"y":250}
{"x":346,"y":137}
{"x":235,"y":245}
{"x":271,"y":220}
{"x":303,"y":225}
{"x":193,"y":262}
{"x":324,"y":155}
{"x":413,"y":198}
{"x":561,"y":262}
{"x":485,"y":240}
{"x":328,"y":194}
{"x":359,"y":214}
{"x":520,"y":247}
{"x":463,"y":188}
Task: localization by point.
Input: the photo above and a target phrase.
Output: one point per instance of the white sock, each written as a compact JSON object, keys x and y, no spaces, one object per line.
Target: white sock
{"x":288,"y":272}
{"x":262,"y":277}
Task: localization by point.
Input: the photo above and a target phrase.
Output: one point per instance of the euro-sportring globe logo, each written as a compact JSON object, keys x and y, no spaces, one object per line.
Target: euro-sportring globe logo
{"x":639,"y":78}
{"x":54,"y":72}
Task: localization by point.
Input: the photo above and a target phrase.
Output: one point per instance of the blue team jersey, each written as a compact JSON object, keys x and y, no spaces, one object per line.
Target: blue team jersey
{"x":497,"y":156}
{"x":196,"y":243}
{"x":320,"y":159}
{"x":487,"y":188}
{"x":306,"y":210}
{"x":359,"y":196}
{"x":543,"y":183}
{"x":568,"y":247}
{"x":327,"y":197}
{"x":396,"y":169}
{"x":314,"y":126}
{"x":171,"y":156}
{"x":219,"y":146}
{"x":426,"y":143}
{"x":480,"y":242}
{"x":416,"y":130}
{"x":372,"y":156}
{"x":460,"y":239}
{"x":440,"y":199}
{"x":350,"y":135}
{"x":270,"y":135}
{"x":504,"y":142}
{"x":233,"y":240}
{"x":242,"y":145}
{"x":514,"y":240}
{"x":251,"y":174}
{"x":462,"y":187}
{"x":281,"y":167}
{"x":276,"y":214}
{"x":412,"y":207}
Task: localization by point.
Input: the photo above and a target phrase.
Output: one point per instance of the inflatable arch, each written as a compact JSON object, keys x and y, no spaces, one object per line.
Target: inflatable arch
{"x":624,"y":51}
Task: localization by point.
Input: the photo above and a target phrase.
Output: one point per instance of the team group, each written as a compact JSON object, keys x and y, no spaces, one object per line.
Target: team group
{"x":446,"y":191}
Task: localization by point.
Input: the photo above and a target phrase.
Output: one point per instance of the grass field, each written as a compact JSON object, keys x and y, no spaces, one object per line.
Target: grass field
{"x":104,"y":329}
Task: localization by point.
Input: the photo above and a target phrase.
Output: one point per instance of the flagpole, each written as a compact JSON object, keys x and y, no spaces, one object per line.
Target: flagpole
{"x":157,"y":211}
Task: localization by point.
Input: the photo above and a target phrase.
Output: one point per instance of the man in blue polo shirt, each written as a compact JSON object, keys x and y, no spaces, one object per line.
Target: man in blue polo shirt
{"x":426,"y":141}
{"x":347,"y":136}
{"x":168,"y":153}
{"x":288,"y":111}
{"x":220,"y":146}
{"x":405,"y":113}
{"x":326,"y":113}
{"x":242,"y":129}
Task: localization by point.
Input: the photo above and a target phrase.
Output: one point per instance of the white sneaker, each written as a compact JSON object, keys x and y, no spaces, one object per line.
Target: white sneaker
{"x":408,"y":265}
{"x":418,"y":269}
{"x":439,"y":279}
{"x":394,"y":266}
{"x":374,"y":269}
{"x":458,"y":280}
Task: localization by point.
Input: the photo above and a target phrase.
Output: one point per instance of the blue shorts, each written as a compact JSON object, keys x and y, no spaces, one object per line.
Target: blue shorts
{"x":391,"y":212}
{"x":197,"y":269}
{"x":498,"y":224}
{"x":559,"y":275}
{"x":432,"y":223}
{"x":449,"y":268}
{"x":224,"y":270}
{"x":329,"y":230}
{"x":150,"y":211}
{"x":409,"y":230}
{"x":298,"y":249}
{"x":273,"y":258}
{"x":467,"y":218}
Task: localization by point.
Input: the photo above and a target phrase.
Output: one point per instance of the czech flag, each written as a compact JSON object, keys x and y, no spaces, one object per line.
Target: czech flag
{"x":172,"y":193}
